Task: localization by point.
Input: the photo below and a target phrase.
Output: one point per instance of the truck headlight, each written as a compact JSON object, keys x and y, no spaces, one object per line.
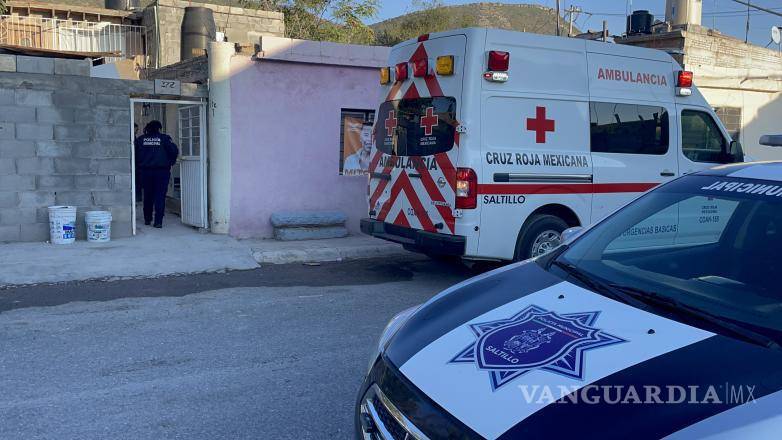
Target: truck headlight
{"x":392,"y":327}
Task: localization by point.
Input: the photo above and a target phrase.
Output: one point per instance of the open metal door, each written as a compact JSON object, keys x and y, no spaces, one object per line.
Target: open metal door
{"x":192,"y":138}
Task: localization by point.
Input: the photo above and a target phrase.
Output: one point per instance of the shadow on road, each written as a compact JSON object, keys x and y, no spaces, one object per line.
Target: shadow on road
{"x":356,"y":272}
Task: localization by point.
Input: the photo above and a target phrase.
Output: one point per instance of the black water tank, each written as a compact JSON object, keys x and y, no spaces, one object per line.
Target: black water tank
{"x":640,"y":22}
{"x":198,"y":29}
{"x":123,"y":5}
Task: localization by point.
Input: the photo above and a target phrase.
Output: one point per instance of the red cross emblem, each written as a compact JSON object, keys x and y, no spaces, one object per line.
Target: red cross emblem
{"x":540,"y":125}
{"x":429,"y":121}
{"x":391,"y":123}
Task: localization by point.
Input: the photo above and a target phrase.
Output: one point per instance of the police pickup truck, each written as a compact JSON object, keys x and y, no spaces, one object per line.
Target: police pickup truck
{"x":612,"y":335}
{"x":490,"y":143}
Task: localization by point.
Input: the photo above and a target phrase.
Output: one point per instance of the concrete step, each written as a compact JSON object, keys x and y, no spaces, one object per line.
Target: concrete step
{"x":309,"y":225}
{"x":287,"y":219}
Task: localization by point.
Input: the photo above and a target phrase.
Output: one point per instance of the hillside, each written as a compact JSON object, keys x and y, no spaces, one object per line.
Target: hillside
{"x":525,"y":18}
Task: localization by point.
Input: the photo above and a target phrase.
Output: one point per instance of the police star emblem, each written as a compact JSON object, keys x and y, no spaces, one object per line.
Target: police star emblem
{"x":534,"y":339}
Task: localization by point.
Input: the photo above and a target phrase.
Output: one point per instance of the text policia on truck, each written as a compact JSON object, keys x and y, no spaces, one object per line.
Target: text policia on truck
{"x":489,"y":143}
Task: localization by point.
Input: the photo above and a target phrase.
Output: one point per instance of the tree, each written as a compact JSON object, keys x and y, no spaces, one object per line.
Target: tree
{"x":331,"y":20}
{"x":2,"y":7}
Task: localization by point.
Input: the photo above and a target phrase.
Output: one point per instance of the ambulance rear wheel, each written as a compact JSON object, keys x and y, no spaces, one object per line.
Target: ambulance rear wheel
{"x":541,"y":235}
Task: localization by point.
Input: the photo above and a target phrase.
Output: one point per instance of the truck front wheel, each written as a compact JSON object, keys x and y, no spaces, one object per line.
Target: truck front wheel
{"x":540,"y":235}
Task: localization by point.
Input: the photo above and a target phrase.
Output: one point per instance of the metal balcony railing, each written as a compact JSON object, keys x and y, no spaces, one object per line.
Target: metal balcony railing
{"x":108,"y":40}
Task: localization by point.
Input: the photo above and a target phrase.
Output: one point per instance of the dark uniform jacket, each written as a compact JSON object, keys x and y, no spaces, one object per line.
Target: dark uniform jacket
{"x":155,"y":150}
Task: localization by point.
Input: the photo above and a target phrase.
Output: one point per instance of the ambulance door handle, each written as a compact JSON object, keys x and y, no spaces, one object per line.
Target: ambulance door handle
{"x":666,"y":173}
{"x":416,"y":175}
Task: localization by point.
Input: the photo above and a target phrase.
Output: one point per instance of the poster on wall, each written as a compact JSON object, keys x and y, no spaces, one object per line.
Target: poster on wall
{"x":356,"y":142}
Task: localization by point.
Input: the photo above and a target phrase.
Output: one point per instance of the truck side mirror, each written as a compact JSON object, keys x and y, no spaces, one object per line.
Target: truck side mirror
{"x":570,"y":234}
{"x":736,"y":151}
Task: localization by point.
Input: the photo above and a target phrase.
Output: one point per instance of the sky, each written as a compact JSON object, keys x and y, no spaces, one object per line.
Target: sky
{"x":726,"y":16}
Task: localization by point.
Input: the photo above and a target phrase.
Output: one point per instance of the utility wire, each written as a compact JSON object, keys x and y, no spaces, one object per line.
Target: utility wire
{"x":750,"y":5}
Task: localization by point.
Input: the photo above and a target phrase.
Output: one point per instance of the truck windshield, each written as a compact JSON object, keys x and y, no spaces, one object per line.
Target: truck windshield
{"x":705,"y":243}
{"x":416,"y":127}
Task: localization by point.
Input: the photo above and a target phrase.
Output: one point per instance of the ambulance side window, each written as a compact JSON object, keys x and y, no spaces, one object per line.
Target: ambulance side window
{"x":628,"y":128}
{"x":702,"y":140}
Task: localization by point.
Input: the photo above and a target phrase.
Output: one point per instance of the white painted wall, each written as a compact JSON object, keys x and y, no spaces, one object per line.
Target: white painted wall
{"x":219,"y":150}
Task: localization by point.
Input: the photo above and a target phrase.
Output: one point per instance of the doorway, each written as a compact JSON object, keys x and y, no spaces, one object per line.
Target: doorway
{"x":185,"y":122}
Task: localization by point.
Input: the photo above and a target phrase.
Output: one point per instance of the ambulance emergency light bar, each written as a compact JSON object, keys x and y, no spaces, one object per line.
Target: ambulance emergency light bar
{"x":421,"y":68}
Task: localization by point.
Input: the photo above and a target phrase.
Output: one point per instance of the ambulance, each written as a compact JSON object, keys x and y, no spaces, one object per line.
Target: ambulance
{"x":489,"y":143}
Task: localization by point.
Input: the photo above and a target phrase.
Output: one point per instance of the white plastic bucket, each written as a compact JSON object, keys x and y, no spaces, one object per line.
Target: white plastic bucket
{"x":98,"y":226}
{"x":62,"y":224}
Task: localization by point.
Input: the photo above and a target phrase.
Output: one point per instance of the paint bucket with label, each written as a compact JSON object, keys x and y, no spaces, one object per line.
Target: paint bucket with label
{"x":62,"y":224}
{"x":98,"y":226}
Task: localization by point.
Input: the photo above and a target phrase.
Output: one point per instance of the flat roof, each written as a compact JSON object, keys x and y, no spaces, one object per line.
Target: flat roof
{"x":41,"y":6}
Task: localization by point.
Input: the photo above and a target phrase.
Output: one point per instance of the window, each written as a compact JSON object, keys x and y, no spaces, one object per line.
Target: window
{"x":702,"y":140}
{"x":628,"y":128}
{"x":416,"y":127}
{"x":731,"y":119}
{"x":716,"y":243}
{"x":355,"y":141}
{"x":696,"y":220}
{"x":190,"y":130}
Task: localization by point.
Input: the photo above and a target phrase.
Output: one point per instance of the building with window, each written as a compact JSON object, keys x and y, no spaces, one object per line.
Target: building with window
{"x":146,"y":32}
{"x":103,"y":34}
{"x":298,"y":110}
{"x":742,"y":82}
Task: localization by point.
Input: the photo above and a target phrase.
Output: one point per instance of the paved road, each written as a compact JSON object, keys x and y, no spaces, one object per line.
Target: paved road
{"x":274,"y":353}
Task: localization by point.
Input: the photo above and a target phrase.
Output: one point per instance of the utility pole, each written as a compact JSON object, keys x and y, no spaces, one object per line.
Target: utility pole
{"x":572,"y":10}
{"x":558,"y":34}
{"x":746,"y":33}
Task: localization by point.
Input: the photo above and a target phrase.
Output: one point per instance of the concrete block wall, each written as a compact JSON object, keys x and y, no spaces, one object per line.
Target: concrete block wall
{"x":64,"y":140}
{"x":235,"y":22}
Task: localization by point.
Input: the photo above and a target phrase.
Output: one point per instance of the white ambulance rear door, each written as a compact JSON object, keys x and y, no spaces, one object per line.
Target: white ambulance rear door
{"x":633,"y":124}
{"x":412,"y":184}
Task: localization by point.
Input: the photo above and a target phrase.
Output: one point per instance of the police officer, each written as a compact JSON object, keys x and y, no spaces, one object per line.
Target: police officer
{"x":156,"y":153}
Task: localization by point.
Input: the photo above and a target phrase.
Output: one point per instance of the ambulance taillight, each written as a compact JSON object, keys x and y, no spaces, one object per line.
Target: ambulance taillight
{"x":385,"y":75}
{"x":684,"y":83}
{"x":421,"y":68}
{"x":400,"y":72}
{"x":499,"y":61}
{"x":466,"y":189}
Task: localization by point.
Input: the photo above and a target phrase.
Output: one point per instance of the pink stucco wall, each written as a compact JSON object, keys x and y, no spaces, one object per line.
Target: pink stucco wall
{"x":285,"y":140}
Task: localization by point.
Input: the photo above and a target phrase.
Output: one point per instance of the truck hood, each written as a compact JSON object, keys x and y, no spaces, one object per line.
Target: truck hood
{"x":501,"y":353}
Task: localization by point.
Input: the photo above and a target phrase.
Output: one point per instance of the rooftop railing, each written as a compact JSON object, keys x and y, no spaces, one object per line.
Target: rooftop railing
{"x":107,"y":40}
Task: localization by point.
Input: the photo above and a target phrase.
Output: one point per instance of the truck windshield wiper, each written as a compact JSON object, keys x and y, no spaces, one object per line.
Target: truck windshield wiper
{"x":594,"y":284}
{"x":715,"y":320}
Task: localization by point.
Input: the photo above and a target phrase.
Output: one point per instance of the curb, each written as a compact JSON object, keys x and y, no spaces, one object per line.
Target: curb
{"x":327,"y":254}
